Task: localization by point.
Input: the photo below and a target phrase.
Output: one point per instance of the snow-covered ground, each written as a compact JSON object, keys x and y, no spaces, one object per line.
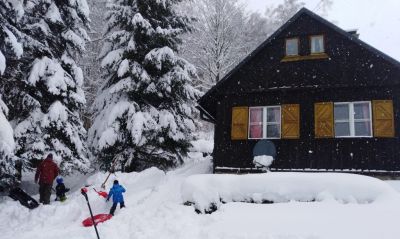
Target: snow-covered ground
{"x":154,"y":210}
{"x":395,"y":184}
{"x":206,"y":192}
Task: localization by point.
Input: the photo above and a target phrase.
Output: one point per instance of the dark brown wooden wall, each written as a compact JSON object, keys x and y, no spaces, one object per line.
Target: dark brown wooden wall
{"x":352,"y":73}
{"x":349,"y":65}
{"x":309,"y":152}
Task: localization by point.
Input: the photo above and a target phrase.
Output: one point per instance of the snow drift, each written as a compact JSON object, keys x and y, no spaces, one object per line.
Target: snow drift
{"x":154,"y":210}
{"x":208,"y":192}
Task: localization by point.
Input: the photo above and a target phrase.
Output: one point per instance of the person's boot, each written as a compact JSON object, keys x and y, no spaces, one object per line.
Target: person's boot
{"x":114,"y":206}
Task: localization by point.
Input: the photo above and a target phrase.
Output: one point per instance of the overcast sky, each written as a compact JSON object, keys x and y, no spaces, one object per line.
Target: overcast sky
{"x":377,"y":21}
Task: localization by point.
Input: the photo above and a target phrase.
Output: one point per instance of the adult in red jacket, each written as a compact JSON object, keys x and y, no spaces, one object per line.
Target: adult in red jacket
{"x":46,"y":172}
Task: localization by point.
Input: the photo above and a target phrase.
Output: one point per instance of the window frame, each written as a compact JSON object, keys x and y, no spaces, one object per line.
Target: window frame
{"x":352,"y":120}
{"x":249,"y":124}
{"x":323,"y":44}
{"x":265,"y":122}
{"x":298,"y":46}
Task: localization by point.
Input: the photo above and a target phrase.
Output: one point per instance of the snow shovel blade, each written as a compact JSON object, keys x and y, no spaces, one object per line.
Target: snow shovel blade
{"x":101,"y":193}
{"x":88,"y":222}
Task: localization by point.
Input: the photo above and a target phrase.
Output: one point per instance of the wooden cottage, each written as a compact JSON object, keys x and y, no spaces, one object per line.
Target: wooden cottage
{"x":327,"y":100}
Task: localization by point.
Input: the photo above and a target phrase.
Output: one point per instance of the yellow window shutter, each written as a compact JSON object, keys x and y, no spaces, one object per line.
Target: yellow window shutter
{"x":240,"y":117}
{"x":291,"y":121}
{"x":383,"y":118}
{"x":323,"y":120}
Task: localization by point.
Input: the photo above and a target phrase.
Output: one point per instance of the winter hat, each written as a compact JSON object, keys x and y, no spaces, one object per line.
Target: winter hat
{"x":59,"y":180}
{"x":50,"y":156}
{"x":115,"y":182}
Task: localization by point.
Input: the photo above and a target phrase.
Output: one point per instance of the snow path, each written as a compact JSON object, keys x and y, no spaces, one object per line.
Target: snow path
{"x":155,"y":210}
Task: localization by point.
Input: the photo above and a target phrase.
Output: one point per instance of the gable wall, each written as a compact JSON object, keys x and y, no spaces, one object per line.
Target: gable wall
{"x":352,"y":73}
{"x":349,"y":64}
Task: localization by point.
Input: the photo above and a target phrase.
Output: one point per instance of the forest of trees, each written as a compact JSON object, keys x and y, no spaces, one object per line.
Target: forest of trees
{"x":94,"y":88}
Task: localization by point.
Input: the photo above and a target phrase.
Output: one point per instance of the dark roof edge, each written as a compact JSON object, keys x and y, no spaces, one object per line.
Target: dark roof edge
{"x":284,"y":26}
{"x":354,"y":39}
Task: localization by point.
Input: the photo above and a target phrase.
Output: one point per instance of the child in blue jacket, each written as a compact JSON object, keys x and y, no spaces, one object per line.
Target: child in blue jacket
{"x":116,"y":192}
{"x":61,"y":190}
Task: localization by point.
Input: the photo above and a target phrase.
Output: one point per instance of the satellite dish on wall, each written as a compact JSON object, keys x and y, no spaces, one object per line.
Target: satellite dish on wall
{"x":264,"y":147}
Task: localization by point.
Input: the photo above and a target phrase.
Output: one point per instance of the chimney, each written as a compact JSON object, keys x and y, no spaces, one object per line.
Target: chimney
{"x":353,"y":32}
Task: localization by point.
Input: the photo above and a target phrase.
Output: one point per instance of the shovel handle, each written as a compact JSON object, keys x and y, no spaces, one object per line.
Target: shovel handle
{"x":111,"y":170}
{"x":103,"y":186}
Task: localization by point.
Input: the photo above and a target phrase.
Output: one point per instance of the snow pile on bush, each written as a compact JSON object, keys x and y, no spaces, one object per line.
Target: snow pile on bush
{"x":139,"y":181}
{"x":202,"y":145}
{"x":207,"y":192}
{"x":263,"y":161}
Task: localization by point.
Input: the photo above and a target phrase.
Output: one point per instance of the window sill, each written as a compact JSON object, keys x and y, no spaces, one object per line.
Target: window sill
{"x":262,"y":138}
{"x":352,"y":137}
{"x":314,"y":56}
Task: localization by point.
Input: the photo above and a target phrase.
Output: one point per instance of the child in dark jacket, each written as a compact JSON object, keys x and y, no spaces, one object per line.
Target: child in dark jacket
{"x":116,"y":193}
{"x":61,"y":190}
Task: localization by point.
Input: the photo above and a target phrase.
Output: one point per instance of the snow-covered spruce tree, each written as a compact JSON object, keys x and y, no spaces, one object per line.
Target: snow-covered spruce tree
{"x":144,"y":110}
{"x":11,"y":48}
{"x":53,"y":97}
{"x":11,"y":51}
{"x":8,"y":172}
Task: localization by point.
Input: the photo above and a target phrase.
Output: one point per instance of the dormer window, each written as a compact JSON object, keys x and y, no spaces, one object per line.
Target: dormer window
{"x":317,"y":44}
{"x":292,"y":47}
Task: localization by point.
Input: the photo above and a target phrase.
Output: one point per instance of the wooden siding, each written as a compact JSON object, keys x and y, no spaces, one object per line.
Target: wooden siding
{"x":307,"y":151}
{"x":349,"y":71}
{"x":348,"y":65}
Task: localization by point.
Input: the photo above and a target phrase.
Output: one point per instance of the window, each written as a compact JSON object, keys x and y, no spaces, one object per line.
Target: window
{"x":265,"y":122}
{"x":273,"y":122}
{"x":317,"y":44}
{"x":353,"y":119}
{"x":256,"y":123}
{"x":292,"y":47}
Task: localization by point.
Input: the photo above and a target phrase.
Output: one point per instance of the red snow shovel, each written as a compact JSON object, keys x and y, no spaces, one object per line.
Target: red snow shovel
{"x":101,"y":193}
{"x":88,"y":222}
{"x":103,"y":185}
{"x":111,"y":171}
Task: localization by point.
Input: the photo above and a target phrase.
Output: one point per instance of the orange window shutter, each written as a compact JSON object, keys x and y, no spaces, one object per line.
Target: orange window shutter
{"x":291,"y":121}
{"x":383,"y":118}
{"x":239,"y":127}
{"x":323,"y":120}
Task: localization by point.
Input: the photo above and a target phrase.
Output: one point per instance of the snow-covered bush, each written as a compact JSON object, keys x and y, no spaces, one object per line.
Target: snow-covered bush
{"x":207,"y":192}
{"x":203,"y":145}
{"x":263,"y":161}
{"x":144,"y":111}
